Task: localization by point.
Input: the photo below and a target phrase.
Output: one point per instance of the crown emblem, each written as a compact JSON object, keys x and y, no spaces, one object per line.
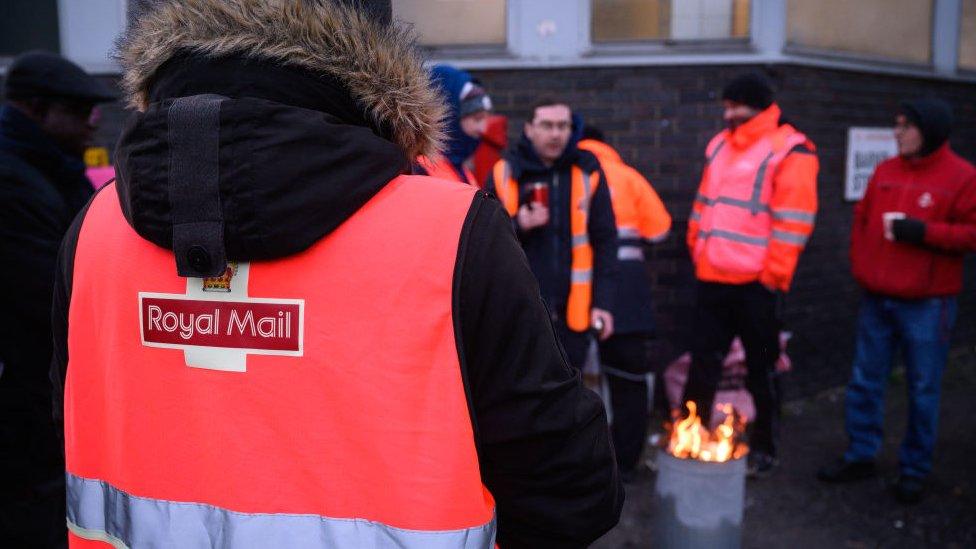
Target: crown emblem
{"x":221,"y":283}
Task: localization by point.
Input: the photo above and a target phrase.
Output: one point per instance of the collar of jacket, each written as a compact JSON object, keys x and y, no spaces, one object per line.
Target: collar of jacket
{"x":923,"y":162}
{"x":529,"y":162}
{"x":756,"y":127}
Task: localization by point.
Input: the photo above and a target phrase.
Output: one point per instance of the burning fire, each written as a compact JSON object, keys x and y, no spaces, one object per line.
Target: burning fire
{"x":690,"y":440}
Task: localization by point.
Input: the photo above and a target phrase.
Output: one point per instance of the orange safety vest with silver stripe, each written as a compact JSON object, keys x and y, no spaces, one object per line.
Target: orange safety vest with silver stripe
{"x":735,"y":218}
{"x":441,"y":168}
{"x":583,"y":186}
{"x":301,"y":402}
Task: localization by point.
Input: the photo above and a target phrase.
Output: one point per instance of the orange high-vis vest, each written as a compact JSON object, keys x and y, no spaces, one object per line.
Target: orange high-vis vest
{"x":583,"y":186}
{"x":733,"y":213}
{"x":311,"y":401}
{"x":441,"y":168}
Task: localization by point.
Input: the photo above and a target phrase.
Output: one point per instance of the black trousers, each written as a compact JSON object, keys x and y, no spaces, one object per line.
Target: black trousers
{"x":625,"y":362}
{"x":576,"y":344}
{"x":722,"y":312}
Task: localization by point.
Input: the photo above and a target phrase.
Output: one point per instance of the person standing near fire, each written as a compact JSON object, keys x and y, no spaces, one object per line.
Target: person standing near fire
{"x":268,"y":333}
{"x":911,"y":231}
{"x":641,"y":219}
{"x":750,"y":221}
{"x":559,"y":200}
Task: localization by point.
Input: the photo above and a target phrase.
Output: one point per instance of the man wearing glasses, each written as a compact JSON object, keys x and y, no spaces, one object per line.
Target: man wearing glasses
{"x":46,"y":123}
{"x":558,"y":197}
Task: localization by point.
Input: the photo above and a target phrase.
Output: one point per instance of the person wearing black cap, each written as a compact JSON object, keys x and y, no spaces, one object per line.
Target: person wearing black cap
{"x":751,"y":219}
{"x":910,"y":232}
{"x":45,"y":125}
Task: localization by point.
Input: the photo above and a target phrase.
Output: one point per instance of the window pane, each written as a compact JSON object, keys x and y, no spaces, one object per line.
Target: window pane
{"x":454,"y":22}
{"x":630,"y":20}
{"x":967,"y":36}
{"x":897,"y":29}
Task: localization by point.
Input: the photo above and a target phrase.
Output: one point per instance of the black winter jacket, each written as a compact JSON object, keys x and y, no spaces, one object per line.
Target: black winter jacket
{"x":41,"y":190}
{"x":549,"y":248}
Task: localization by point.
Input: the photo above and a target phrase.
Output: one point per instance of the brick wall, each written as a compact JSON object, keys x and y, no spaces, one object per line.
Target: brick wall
{"x":660,"y":119}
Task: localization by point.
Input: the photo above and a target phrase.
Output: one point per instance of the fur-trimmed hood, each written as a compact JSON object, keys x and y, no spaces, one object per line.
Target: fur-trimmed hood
{"x":377,"y":63}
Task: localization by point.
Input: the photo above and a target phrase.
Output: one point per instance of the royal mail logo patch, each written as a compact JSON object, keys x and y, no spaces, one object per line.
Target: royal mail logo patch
{"x":217,"y":324}
{"x":925,"y":200}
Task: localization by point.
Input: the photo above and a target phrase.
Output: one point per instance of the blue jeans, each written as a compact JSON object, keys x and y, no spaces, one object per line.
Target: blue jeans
{"x":921,"y":328}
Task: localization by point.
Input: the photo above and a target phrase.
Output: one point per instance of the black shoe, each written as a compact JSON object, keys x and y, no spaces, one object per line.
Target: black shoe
{"x":760,"y":464}
{"x":908,"y":489}
{"x":846,"y":471}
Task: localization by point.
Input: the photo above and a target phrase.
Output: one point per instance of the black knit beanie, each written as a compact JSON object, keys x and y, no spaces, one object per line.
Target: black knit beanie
{"x":750,"y":89}
{"x":934,"y":119}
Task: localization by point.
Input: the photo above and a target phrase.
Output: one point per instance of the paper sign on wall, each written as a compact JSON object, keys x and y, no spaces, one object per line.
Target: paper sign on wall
{"x":866,"y":148}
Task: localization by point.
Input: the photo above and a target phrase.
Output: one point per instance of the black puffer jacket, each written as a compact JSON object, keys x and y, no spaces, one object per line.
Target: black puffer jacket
{"x":41,"y":190}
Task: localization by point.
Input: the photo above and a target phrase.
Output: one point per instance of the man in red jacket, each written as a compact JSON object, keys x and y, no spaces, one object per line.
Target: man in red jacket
{"x":911,"y":230}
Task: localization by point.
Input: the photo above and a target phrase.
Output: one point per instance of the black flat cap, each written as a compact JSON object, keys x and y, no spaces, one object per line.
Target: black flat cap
{"x":38,"y":74}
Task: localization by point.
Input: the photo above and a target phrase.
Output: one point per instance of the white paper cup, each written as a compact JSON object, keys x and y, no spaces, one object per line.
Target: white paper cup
{"x":888,"y":218}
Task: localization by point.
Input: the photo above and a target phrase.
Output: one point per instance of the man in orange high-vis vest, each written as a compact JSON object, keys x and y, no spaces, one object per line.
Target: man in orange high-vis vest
{"x":467,"y":121}
{"x":624,"y":358}
{"x":560,"y":204}
{"x":752,"y":217}
{"x":343,"y":355}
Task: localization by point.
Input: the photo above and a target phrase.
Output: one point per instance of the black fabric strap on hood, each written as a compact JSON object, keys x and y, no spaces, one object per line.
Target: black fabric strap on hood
{"x":193,"y":133}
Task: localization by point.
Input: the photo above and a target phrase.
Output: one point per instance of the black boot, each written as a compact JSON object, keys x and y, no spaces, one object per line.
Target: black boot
{"x":846,"y":471}
{"x":908,"y":489}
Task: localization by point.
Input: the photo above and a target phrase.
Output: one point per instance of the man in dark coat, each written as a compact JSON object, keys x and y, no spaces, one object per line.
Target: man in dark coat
{"x":45,"y":125}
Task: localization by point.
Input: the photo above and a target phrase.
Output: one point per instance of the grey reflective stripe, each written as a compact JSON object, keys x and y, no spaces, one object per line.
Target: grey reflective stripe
{"x":587,"y":198}
{"x":630,"y":253}
{"x":790,"y":237}
{"x":581,"y":276}
{"x":580,"y":240}
{"x":695,"y":216}
{"x":755,"y":203}
{"x":735,"y":237}
{"x":704,"y":199}
{"x":801,"y":216}
{"x":712,"y":156}
{"x":739,"y":203}
{"x":99,"y":511}
{"x":627,"y":232}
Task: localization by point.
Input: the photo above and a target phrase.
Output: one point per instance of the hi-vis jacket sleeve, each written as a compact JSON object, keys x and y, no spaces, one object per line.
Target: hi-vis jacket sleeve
{"x":542,"y":437}
{"x":794,"y":209}
{"x":654,"y":221}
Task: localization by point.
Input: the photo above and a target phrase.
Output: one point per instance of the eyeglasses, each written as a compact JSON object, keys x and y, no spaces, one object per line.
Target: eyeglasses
{"x":547,"y":125}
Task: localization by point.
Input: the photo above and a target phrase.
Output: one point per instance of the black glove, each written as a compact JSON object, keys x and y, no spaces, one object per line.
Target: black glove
{"x":908,"y":230}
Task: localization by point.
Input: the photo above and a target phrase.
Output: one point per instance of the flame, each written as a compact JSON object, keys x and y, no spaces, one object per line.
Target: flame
{"x":691,"y":440}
